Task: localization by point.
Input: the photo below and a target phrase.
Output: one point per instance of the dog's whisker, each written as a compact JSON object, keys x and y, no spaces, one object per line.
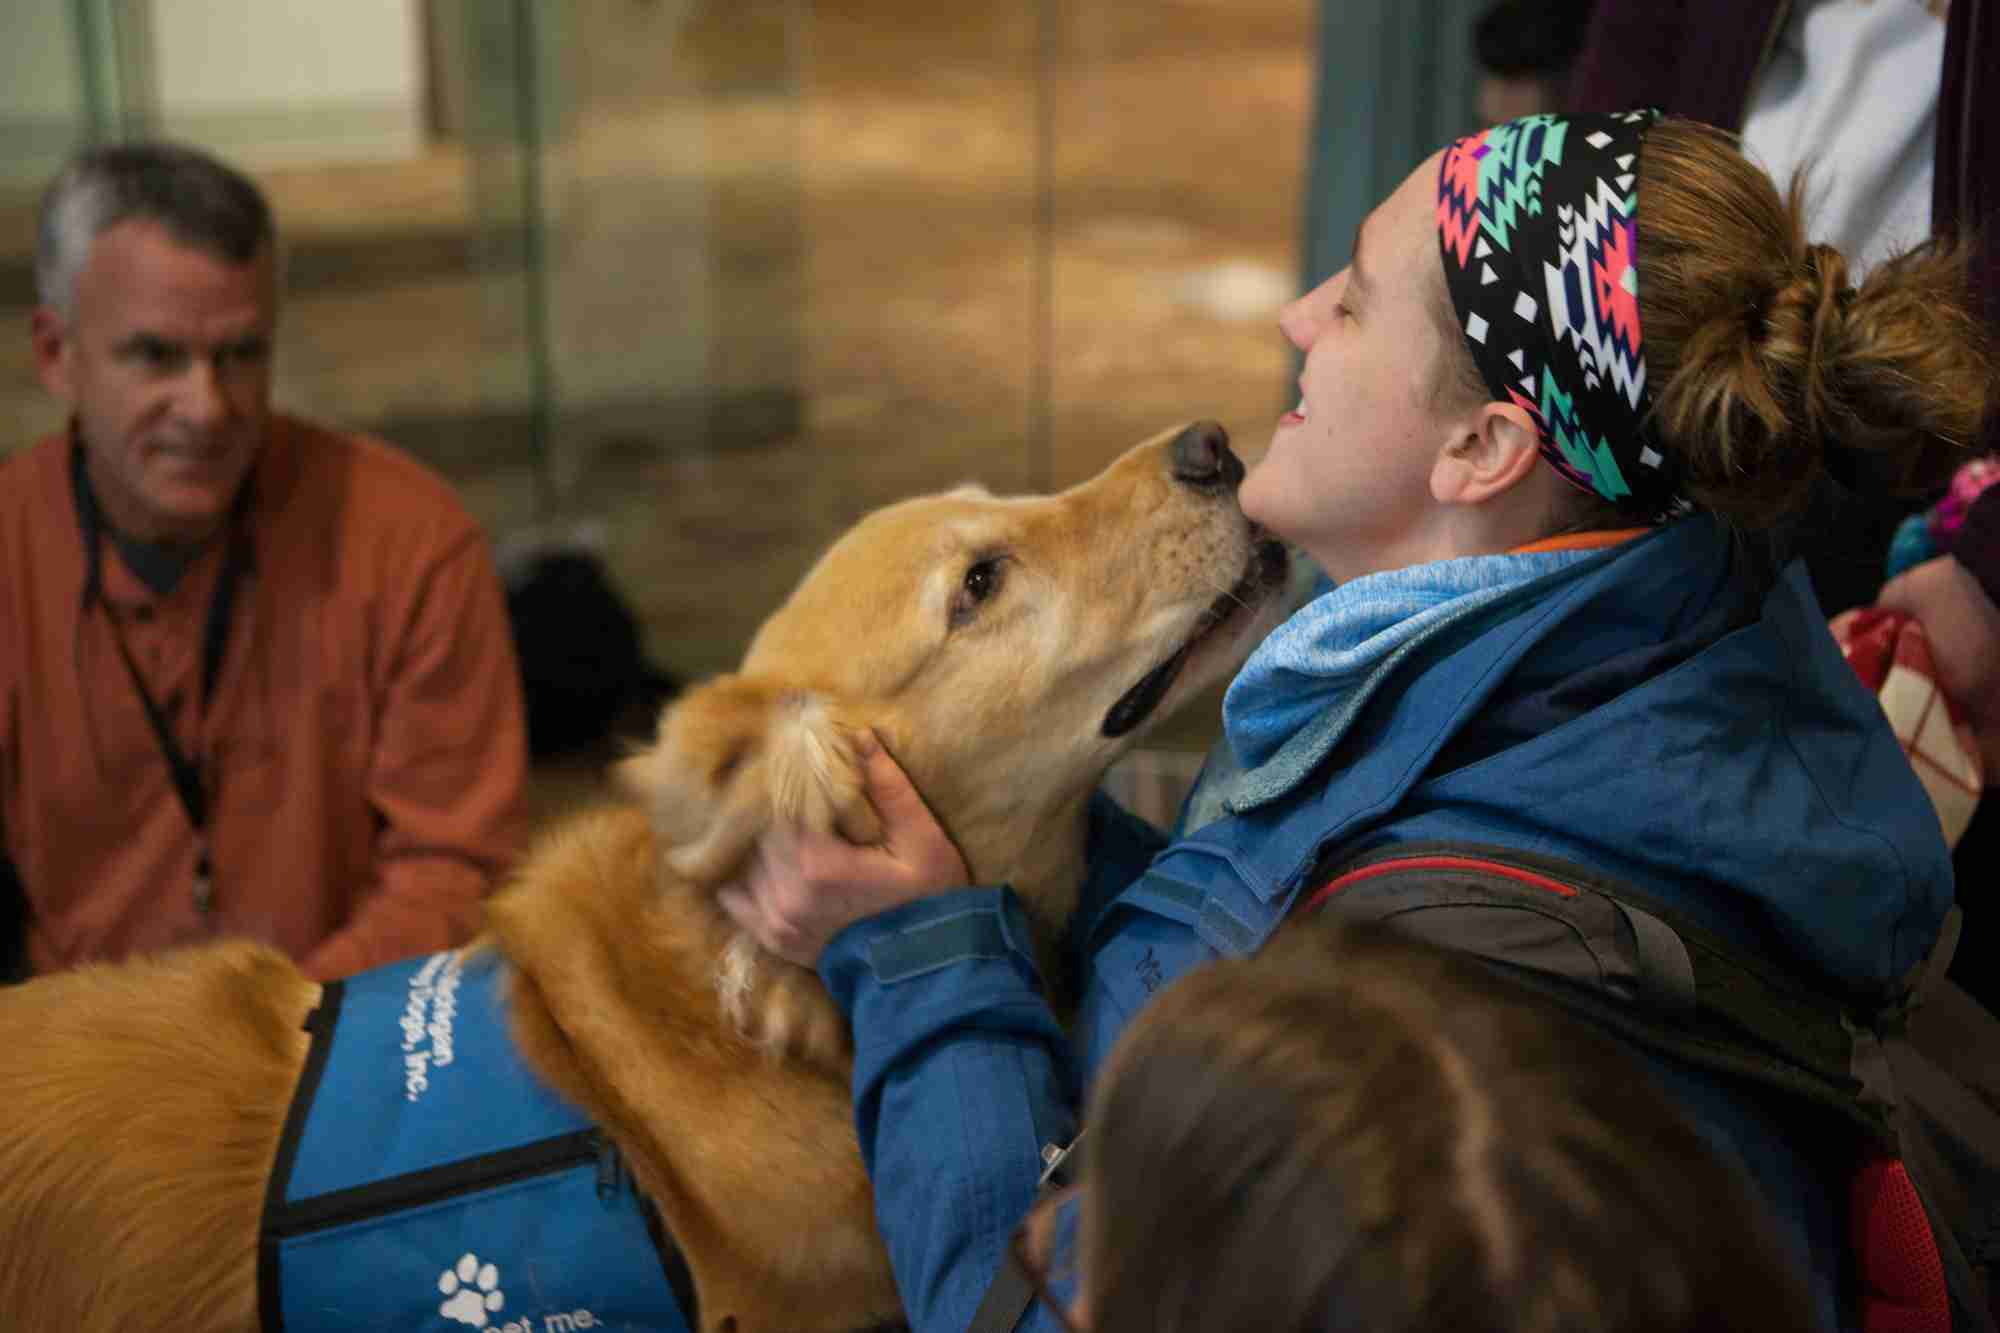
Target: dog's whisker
{"x":1224,"y":589}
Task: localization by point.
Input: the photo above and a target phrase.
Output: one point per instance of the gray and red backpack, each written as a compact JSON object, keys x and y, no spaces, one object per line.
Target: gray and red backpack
{"x":1912,"y":1076}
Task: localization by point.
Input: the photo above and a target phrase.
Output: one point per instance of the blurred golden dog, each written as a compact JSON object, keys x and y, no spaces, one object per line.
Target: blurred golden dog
{"x":1006,"y":651}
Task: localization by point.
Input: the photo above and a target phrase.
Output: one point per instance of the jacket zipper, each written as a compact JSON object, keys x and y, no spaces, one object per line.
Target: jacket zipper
{"x":542,"y":1158}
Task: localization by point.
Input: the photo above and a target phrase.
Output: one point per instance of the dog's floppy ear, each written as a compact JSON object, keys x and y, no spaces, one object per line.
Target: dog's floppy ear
{"x":740,"y":755}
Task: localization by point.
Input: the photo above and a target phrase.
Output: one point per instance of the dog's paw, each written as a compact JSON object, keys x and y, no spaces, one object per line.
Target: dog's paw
{"x":471,"y":1291}
{"x":737,"y":757}
{"x":782,"y":1009}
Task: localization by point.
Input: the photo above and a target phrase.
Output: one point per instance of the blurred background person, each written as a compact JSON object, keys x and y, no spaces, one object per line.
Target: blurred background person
{"x":258,"y":678}
{"x":1525,"y":49}
{"x":1887,"y":103}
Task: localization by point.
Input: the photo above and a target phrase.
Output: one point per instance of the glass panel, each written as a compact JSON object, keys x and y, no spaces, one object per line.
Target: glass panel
{"x":1178,"y":137}
{"x":70,"y":74}
{"x":636,"y":184}
{"x":922,"y":249}
{"x":696,"y":283}
{"x":1175,"y":149}
{"x":46,"y":87}
{"x":387,"y":324}
{"x":42,"y":118}
{"x":1398,"y":82}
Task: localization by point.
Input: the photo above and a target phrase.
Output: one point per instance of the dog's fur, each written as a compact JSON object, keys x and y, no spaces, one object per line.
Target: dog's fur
{"x":141,"y":1104}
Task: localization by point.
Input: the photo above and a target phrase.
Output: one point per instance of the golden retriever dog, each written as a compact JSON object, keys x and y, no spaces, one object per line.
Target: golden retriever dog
{"x":1006,"y":650}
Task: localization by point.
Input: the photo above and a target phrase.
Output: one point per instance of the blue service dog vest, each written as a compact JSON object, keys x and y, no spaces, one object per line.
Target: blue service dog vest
{"x":426,"y":1180}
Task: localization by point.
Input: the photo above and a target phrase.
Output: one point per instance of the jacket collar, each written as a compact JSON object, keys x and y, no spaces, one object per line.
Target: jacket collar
{"x":1305,"y":688}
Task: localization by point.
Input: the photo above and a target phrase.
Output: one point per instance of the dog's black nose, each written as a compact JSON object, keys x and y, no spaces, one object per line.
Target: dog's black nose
{"x":1202,"y":457}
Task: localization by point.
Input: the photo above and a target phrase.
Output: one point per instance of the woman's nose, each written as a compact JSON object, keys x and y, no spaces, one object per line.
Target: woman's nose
{"x":1300,"y":320}
{"x":1293,"y":324}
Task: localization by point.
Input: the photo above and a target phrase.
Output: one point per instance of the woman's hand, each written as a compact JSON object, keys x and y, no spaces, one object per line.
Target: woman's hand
{"x":1963,"y":627}
{"x":800,"y":890}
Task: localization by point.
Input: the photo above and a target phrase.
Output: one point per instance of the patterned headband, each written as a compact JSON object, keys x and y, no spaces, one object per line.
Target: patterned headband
{"x":1536,"y":220}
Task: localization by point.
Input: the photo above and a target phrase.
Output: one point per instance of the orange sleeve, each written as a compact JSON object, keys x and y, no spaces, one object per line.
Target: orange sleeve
{"x":447,"y":777}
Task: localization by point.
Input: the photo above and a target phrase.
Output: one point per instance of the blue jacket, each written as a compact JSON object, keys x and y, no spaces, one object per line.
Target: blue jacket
{"x":1657,"y":711}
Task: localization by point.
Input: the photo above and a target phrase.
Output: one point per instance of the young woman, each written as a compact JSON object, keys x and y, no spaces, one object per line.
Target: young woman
{"x":1553,"y":419}
{"x":1370,"y":1134}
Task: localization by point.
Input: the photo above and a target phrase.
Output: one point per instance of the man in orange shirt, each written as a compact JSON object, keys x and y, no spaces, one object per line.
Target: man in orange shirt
{"x":257,"y":677}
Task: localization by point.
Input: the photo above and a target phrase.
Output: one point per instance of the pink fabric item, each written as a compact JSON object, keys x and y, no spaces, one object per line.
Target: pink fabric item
{"x":1967,"y":485}
{"x":1891,"y":654}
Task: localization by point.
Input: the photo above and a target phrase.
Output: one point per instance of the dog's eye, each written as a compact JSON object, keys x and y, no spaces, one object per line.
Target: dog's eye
{"x":981,"y":581}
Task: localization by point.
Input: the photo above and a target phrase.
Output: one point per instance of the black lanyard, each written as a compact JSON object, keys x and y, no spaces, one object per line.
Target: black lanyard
{"x":181,"y":767}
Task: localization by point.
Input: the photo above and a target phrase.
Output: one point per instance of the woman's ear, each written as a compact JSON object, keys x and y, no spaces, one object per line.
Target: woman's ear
{"x":1492,"y":449}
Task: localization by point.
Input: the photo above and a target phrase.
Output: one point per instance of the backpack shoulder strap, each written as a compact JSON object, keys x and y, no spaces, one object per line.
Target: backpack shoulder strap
{"x":1011,"y":1291}
{"x":1624,"y":959}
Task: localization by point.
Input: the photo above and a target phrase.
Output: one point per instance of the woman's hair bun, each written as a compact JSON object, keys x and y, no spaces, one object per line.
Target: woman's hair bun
{"x":1769,"y":364}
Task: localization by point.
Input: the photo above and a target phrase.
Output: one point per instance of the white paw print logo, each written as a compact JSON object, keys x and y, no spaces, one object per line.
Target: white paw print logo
{"x":471,"y":1291}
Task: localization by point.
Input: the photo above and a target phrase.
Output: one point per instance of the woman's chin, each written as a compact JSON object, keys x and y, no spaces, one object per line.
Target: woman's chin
{"x":1250,"y":499}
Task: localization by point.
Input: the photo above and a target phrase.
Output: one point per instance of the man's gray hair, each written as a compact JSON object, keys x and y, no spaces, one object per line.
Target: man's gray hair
{"x":203,"y":203}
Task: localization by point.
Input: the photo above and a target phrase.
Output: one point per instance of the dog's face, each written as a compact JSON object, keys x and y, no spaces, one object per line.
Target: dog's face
{"x":1007,"y":650}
